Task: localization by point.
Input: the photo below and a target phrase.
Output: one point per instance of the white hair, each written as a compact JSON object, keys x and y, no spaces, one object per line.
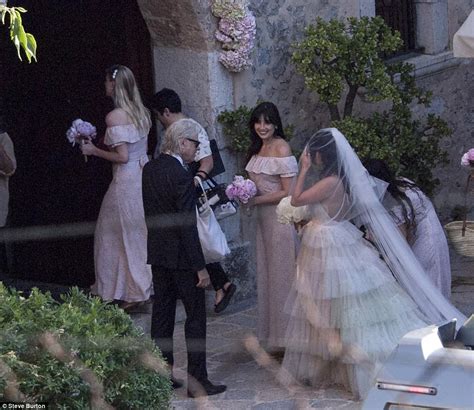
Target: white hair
{"x":185,"y":128}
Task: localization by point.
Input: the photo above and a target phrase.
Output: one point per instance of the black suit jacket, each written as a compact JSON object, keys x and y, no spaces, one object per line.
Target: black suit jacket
{"x":170,"y":211}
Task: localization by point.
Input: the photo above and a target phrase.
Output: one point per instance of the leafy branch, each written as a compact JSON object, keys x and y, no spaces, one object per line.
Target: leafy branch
{"x":341,"y":59}
{"x":18,"y":35}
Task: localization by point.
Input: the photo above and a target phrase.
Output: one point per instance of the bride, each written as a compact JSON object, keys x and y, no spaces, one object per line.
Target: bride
{"x":351,"y":302}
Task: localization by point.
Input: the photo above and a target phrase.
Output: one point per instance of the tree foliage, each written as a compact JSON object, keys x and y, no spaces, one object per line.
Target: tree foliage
{"x":339,"y":60}
{"x":22,"y":40}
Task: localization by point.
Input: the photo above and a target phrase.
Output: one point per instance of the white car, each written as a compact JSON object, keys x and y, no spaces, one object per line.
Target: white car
{"x":431,"y":368}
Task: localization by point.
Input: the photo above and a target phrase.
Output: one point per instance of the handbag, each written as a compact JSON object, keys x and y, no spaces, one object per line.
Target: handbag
{"x":213,"y":241}
{"x":217,"y":198}
{"x":218,"y":167}
{"x":461,"y":233}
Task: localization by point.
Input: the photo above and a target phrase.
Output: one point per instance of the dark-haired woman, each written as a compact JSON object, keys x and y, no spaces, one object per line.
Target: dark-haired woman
{"x":416,"y":217}
{"x":272,"y":167}
{"x":349,"y":308}
{"x":120,"y":237}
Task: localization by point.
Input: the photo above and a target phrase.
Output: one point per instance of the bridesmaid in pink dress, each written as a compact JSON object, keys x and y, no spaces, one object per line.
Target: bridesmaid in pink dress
{"x":272,"y":167}
{"x":120,"y":236}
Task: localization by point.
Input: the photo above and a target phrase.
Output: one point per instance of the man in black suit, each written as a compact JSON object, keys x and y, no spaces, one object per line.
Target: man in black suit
{"x":175,"y":253}
{"x":166,"y":105}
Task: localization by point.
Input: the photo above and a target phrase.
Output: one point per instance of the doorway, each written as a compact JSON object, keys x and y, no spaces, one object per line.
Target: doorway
{"x":77,"y":40}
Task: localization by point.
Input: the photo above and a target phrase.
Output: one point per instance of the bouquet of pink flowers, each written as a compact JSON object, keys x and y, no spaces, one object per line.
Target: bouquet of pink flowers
{"x":467,"y":159}
{"x":78,"y":131}
{"x":241,"y":189}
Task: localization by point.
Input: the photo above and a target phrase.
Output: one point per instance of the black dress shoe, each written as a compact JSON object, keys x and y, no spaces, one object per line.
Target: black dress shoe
{"x":207,"y":389}
{"x":228,"y":293}
{"x":176,"y":383}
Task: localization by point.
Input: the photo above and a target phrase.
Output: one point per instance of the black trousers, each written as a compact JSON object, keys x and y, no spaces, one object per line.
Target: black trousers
{"x":170,"y":285}
{"x":217,"y":275}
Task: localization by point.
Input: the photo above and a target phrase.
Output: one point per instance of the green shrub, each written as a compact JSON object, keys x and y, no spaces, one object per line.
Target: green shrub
{"x":338,"y":60}
{"x":103,"y":354}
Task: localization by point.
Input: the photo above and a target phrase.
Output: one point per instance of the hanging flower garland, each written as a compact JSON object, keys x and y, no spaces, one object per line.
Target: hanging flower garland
{"x":236,"y":33}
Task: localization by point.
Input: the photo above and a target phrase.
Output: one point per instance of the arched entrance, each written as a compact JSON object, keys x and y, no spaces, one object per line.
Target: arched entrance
{"x":53,"y":185}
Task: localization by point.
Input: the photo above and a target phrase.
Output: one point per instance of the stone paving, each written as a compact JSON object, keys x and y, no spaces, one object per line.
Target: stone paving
{"x":249,"y":384}
{"x":253,"y":386}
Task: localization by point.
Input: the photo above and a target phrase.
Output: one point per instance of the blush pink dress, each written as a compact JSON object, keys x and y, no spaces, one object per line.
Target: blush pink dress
{"x":276,"y":250}
{"x":120,"y":235}
{"x":428,"y":241}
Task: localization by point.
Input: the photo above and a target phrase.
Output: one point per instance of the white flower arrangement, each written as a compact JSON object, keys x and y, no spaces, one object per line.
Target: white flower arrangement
{"x":236,"y":33}
{"x":288,"y":214}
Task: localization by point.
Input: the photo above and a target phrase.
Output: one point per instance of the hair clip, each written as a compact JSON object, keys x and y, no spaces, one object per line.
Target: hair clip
{"x":114,"y":74}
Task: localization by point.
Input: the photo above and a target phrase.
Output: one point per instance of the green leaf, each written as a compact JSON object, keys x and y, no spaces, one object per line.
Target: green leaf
{"x":20,"y":38}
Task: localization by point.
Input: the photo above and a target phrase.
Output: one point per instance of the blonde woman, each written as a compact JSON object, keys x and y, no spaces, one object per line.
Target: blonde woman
{"x":121,"y":272}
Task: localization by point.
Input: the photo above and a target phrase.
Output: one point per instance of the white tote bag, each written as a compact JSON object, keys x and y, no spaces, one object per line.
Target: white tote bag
{"x":213,"y":241}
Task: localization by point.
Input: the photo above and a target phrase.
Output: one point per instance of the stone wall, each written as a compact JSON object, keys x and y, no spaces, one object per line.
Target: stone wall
{"x":273,"y":77}
{"x":186,"y":59}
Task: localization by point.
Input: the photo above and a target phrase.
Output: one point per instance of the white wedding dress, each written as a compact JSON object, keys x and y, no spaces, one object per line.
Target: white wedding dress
{"x":349,"y":306}
{"x":347,"y":312}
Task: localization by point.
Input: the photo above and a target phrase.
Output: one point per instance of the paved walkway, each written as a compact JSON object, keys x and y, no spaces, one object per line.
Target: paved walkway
{"x":250,"y":385}
{"x":250,"y":379}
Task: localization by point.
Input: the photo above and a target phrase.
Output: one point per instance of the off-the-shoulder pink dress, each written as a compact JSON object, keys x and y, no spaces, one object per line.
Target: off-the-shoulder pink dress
{"x":276,"y":250}
{"x":120,"y":235}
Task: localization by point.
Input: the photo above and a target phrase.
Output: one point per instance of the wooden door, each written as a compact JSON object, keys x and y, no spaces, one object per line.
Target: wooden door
{"x":77,"y":41}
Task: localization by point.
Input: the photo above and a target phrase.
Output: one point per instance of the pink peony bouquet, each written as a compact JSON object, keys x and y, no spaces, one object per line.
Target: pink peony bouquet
{"x":467,"y":159}
{"x":241,"y":189}
{"x":79,"y":130}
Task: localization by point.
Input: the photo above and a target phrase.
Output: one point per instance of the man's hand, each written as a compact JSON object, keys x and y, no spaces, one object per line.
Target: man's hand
{"x":204,"y":280}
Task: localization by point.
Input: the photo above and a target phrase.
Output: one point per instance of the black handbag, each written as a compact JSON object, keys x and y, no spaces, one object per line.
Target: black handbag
{"x":218,"y":167}
{"x":217,"y":198}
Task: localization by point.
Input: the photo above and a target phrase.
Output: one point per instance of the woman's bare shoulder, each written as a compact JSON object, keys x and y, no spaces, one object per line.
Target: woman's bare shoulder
{"x":282,"y":148}
{"x":117,"y":116}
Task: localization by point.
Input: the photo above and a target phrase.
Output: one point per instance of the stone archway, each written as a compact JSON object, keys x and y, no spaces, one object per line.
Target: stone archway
{"x":186,"y":57}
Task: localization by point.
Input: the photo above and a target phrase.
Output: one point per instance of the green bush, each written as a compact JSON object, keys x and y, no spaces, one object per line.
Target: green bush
{"x":338,"y":60}
{"x":77,"y":353}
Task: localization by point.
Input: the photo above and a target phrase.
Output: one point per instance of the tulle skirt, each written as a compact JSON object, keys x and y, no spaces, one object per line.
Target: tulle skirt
{"x":347,"y":312}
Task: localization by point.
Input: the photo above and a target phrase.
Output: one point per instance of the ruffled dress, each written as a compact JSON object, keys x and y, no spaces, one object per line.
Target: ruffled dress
{"x":120,"y":239}
{"x":347,"y":311}
{"x":275,"y":250}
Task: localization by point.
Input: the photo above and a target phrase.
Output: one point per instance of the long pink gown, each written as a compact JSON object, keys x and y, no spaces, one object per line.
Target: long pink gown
{"x":276,"y":250}
{"x":121,"y":235}
{"x":428,"y":241}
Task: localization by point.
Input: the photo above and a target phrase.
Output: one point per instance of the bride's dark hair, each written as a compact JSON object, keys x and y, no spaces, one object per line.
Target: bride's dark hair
{"x":323,"y":142}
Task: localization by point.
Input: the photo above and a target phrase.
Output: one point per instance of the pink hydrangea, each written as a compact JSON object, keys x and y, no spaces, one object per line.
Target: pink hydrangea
{"x":467,"y":159}
{"x":80,"y":129}
{"x":236,"y":32}
{"x":241,"y":189}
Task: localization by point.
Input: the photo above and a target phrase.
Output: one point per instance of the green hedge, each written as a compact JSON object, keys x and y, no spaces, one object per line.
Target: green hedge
{"x":76,"y":353}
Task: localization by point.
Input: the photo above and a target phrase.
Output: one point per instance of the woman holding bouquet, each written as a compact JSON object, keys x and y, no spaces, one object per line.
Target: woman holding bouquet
{"x":272,"y":168}
{"x":348,"y":308}
{"x":120,"y":235}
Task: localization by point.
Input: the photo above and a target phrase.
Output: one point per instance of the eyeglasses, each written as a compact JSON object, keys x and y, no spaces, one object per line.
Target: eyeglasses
{"x":195,"y":142}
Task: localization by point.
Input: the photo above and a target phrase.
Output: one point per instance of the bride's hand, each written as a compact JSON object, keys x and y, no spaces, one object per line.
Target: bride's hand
{"x":305,"y":160}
